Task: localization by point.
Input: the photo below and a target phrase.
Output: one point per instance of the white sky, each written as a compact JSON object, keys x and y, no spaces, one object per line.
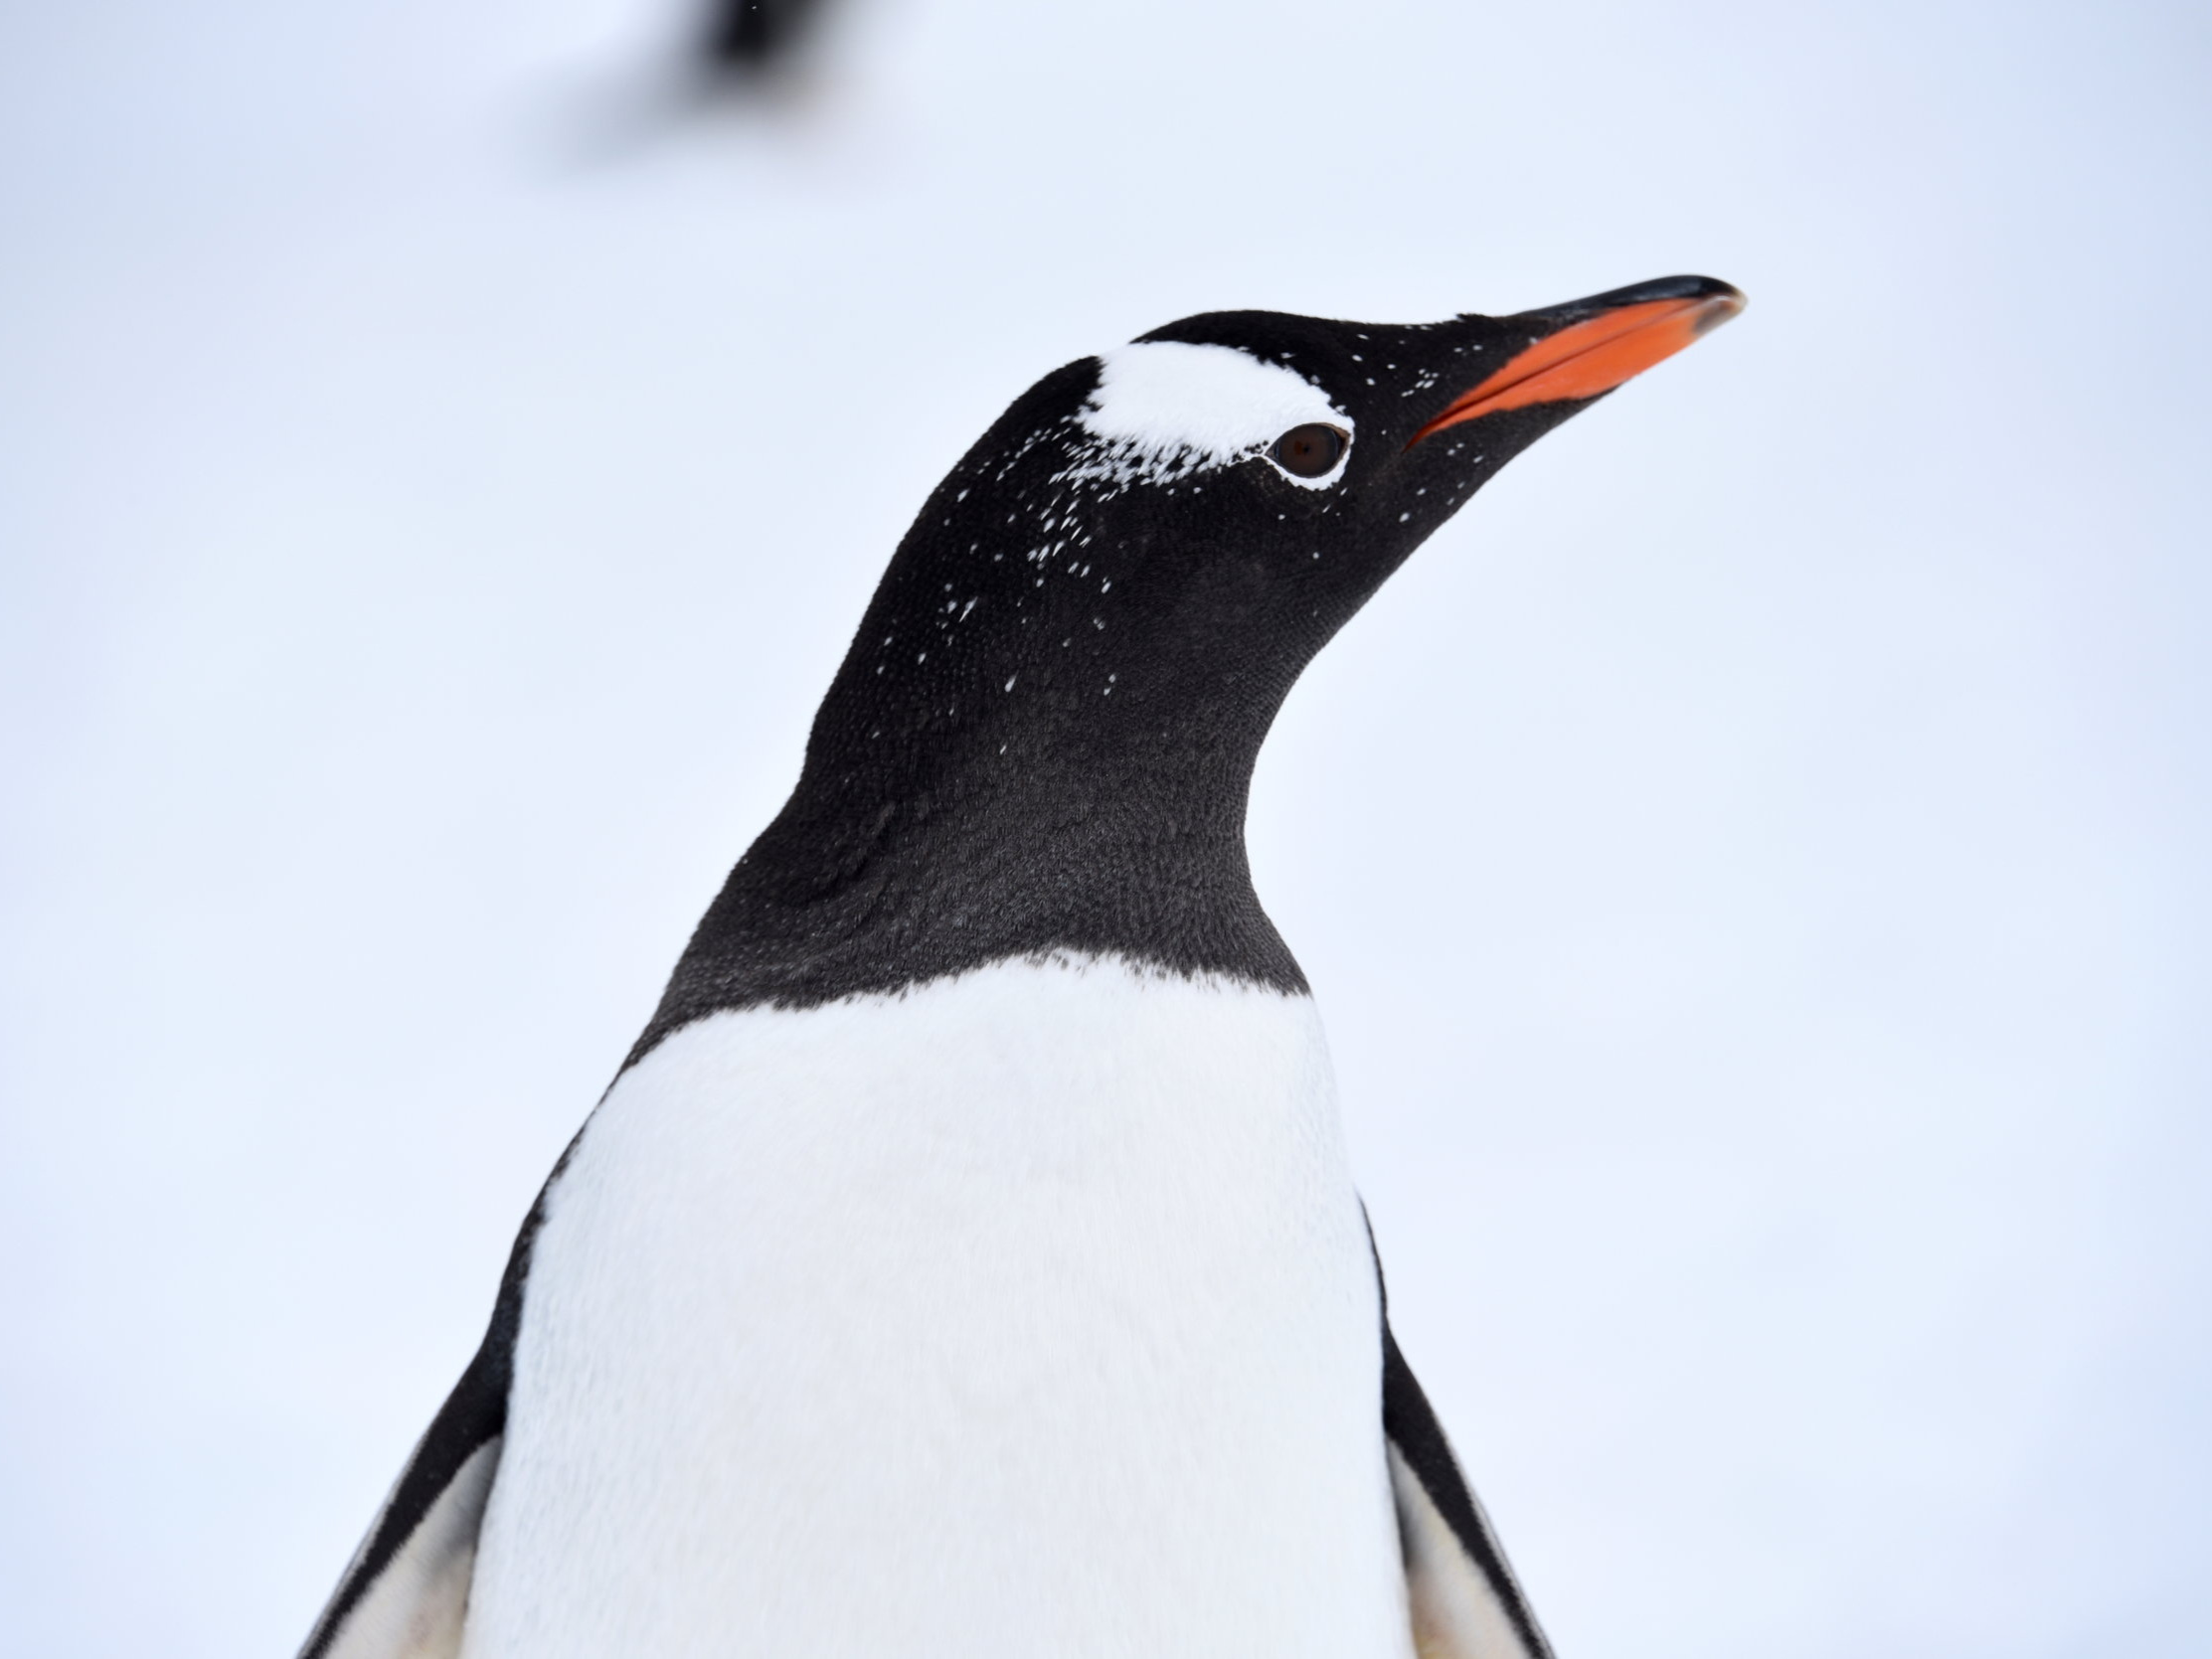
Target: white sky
{"x":1751,"y":863}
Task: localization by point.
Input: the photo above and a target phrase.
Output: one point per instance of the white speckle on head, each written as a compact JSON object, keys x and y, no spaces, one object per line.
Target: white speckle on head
{"x":1164,"y":408}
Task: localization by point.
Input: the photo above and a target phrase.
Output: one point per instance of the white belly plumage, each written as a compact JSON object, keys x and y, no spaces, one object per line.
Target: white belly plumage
{"x":1026,"y":1313}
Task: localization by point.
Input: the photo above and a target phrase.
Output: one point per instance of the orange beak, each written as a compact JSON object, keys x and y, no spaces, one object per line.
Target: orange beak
{"x":1591,"y":357}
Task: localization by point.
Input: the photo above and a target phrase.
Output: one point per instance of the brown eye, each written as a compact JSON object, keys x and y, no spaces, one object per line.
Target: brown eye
{"x":1309,"y":451}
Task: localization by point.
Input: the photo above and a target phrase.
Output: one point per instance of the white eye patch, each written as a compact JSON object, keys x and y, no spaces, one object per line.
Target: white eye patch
{"x":1173,"y":408}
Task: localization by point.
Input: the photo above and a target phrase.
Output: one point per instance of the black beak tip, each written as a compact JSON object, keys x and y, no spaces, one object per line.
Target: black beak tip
{"x":1644,"y":293}
{"x":1670,"y":287}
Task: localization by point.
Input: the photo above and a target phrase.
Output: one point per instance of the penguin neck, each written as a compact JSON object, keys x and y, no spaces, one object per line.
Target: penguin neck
{"x":917,"y":849}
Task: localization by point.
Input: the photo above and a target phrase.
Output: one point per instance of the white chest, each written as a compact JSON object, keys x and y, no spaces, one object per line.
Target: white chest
{"x":1028,"y":1313}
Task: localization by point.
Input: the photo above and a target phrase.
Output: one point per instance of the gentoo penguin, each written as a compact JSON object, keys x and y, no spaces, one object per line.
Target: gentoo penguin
{"x":966,"y":1260}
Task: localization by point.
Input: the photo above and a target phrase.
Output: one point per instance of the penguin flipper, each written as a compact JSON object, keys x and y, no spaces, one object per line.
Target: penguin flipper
{"x":1464,"y":1600}
{"x":405,"y":1593}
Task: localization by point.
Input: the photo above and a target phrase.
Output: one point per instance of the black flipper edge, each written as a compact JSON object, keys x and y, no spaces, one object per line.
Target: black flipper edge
{"x":1466,"y":1601}
{"x":406,"y":1590}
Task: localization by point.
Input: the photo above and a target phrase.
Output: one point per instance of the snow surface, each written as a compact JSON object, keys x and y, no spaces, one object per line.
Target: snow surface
{"x":1750,"y":863}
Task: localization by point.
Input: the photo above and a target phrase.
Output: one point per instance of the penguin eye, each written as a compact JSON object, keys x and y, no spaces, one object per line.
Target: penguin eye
{"x":1309,"y":451}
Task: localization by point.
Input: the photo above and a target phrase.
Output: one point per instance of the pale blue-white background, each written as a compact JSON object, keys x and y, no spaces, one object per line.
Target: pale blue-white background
{"x":1753,"y":863}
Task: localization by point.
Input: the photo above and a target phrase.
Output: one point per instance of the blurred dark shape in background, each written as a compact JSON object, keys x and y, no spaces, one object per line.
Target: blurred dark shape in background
{"x":752,"y":62}
{"x":745,"y":38}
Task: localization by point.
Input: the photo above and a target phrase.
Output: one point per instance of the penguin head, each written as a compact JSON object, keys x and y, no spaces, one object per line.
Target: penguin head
{"x":1043,"y":735}
{"x":1149,"y":545}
